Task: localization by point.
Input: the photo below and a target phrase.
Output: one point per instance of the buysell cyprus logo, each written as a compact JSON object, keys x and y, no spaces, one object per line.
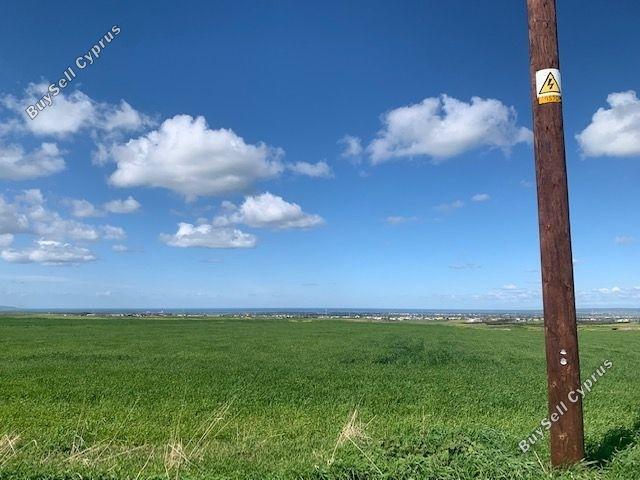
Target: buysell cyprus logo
{"x":69,"y":74}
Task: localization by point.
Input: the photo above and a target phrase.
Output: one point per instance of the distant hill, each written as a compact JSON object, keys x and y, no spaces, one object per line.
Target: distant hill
{"x":4,"y":308}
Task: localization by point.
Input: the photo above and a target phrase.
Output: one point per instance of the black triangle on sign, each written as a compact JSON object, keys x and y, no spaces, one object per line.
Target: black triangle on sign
{"x":550,"y":85}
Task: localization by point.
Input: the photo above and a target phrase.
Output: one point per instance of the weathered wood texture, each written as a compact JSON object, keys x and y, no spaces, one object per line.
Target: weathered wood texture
{"x":567,"y":436}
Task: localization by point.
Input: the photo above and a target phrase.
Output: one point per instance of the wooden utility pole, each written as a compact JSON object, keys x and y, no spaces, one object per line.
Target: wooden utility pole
{"x":563,"y":363}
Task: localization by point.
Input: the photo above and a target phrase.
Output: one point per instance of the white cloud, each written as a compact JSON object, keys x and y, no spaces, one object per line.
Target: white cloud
{"x":351,"y":147}
{"x":605,"y":296}
{"x":120,"y":117}
{"x":268,"y":211}
{"x":186,"y":156}
{"x":32,"y":196}
{"x":49,"y":252}
{"x":208,"y":236}
{"x":11,"y":219}
{"x":511,"y":294}
{"x":6,"y":239}
{"x":110,"y":232}
{"x":481,"y":197}
{"x":443,"y":127}
{"x":316,"y":170}
{"x":29,"y":214}
{"x":399,"y":219}
{"x":449,"y":207}
{"x":70,"y":113}
{"x":609,"y":291}
{"x":128,"y":205}
{"x":624,"y":240}
{"x":82,"y":208}
{"x":16,"y":164}
{"x":100,"y":156}
{"x":49,"y":224}
{"x":614,"y":131}
{"x":260,"y":211}
{"x":120,"y":248}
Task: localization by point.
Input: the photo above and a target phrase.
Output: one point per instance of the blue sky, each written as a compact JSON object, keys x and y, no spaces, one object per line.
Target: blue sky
{"x":289,"y":154}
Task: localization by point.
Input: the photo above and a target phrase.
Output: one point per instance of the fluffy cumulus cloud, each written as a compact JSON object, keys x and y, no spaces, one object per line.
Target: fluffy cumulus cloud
{"x":613,"y":131}
{"x":443,"y":127}
{"x":12,"y":219}
{"x":351,"y":147}
{"x":69,"y":113}
{"x":50,"y":224}
{"x":315,"y":170}
{"x":260,"y":211}
{"x":57,"y":227}
{"x":49,"y":252}
{"x":128,"y":205}
{"x":208,"y":236}
{"x":109,"y":232}
{"x":82,"y":208}
{"x":18,"y":164}
{"x":120,"y":117}
{"x":268,"y":211}
{"x":64,"y":114}
{"x":6,"y":239}
{"x":186,"y":156}
{"x":28,"y":214}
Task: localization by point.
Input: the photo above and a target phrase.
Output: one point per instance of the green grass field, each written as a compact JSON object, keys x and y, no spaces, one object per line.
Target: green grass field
{"x":266,"y":399}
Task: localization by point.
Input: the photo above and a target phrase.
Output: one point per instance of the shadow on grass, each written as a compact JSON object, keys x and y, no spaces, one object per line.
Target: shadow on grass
{"x":614,"y":440}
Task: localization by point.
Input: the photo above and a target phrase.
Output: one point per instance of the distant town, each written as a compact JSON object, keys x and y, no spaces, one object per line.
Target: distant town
{"x":597,"y":316}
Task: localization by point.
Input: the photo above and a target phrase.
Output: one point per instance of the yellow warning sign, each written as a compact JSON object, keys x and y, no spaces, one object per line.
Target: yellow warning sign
{"x":548,"y":86}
